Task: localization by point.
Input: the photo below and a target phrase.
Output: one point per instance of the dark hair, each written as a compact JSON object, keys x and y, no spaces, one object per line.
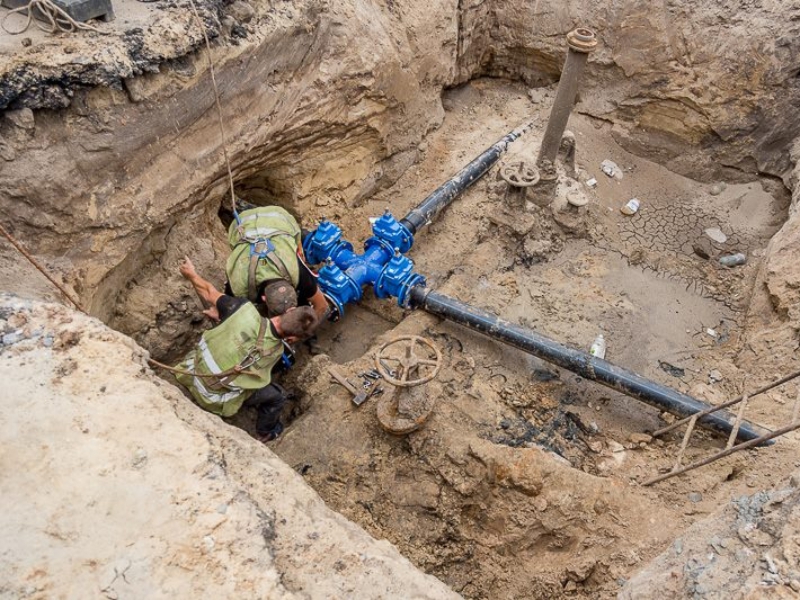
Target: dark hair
{"x":300,"y":322}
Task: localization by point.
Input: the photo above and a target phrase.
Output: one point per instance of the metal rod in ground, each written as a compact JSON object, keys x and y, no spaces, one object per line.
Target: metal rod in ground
{"x":426,"y":211}
{"x":583,"y":364}
{"x":712,"y":409}
{"x":726,"y":452}
{"x":40,"y":268}
{"x":739,"y":417}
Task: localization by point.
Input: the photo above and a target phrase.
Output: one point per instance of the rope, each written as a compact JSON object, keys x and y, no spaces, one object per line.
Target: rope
{"x":57,"y":17}
{"x":185,"y":372}
{"x":219,"y":108}
{"x":41,"y":269}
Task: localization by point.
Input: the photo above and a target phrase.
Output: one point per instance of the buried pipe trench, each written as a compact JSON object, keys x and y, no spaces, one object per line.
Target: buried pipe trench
{"x":476,"y":496}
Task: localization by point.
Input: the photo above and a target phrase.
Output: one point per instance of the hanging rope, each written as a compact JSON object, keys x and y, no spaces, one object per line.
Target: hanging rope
{"x":41,"y":269}
{"x":219,"y":108}
{"x":57,"y":19}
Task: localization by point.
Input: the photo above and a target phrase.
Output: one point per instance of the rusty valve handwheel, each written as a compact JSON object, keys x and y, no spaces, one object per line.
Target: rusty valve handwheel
{"x":518,"y":175}
{"x":409,"y":363}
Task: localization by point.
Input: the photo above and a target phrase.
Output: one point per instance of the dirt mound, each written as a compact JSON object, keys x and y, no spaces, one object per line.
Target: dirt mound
{"x":116,"y":485}
{"x":747,"y":549}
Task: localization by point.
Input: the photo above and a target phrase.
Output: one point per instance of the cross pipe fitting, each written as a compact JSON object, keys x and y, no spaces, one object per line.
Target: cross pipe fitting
{"x":382,"y":264}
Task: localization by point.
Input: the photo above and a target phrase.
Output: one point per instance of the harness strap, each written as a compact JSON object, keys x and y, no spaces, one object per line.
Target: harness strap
{"x":262,"y":332}
{"x":155,"y":363}
{"x":252,"y":285}
{"x":259,"y":249}
{"x":256,"y":351}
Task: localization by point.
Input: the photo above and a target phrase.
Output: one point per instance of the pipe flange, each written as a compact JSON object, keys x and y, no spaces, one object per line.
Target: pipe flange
{"x":519,"y":175}
{"x":582,"y":39}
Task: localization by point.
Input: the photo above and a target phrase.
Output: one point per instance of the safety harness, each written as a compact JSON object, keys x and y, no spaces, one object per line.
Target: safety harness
{"x":222,"y":380}
{"x":263,"y":248}
{"x":260,"y":239}
{"x":230,"y":361}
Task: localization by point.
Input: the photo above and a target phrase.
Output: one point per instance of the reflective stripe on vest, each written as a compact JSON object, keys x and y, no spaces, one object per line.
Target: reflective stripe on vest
{"x":211,"y":396}
{"x":221,"y":349}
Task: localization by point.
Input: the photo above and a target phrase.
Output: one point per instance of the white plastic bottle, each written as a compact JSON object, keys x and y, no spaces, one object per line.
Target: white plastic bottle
{"x":598,"y":348}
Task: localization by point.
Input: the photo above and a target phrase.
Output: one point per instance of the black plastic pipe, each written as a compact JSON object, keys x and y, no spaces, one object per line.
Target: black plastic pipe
{"x":585,"y":365}
{"x":427,"y":210}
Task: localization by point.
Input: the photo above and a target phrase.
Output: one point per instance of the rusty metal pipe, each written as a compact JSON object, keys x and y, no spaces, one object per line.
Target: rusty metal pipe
{"x":583,"y":364}
{"x":581,"y":42}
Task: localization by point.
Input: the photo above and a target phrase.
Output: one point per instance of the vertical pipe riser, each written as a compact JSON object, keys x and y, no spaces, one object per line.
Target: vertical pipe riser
{"x":580,"y":42}
{"x":562,"y":106}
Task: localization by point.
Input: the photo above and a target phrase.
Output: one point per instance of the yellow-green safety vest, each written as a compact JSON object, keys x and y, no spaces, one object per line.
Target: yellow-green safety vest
{"x":264,"y":246}
{"x":243,"y":340}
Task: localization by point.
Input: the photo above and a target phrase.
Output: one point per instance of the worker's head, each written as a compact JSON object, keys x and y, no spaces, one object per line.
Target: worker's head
{"x":279,"y":296}
{"x":297,"y":323}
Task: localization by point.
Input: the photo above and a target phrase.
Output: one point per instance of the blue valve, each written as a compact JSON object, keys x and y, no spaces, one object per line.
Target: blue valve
{"x":397,"y":279}
{"x":382,"y":264}
{"x":388,"y":229}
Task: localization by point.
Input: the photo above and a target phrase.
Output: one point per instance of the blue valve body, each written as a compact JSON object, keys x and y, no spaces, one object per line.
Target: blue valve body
{"x":381,"y":265}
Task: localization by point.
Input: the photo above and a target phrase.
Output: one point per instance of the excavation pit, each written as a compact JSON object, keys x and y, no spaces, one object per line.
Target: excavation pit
{"x":460,"y":496}
{"x":523,"y":481}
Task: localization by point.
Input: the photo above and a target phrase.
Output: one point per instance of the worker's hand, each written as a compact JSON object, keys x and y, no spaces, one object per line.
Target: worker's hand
{"x":212,"y":313}
{"x":187,"y":268}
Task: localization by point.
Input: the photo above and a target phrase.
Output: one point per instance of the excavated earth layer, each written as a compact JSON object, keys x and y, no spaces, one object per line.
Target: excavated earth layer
{"x":524,"y":481}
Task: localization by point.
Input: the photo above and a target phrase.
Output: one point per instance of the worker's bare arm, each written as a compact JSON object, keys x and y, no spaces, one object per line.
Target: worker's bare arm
{"x":320,"y":304}
{"x":205,"y":289}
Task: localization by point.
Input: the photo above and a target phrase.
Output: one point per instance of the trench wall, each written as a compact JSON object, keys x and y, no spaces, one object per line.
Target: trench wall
{"x":118,"y":172}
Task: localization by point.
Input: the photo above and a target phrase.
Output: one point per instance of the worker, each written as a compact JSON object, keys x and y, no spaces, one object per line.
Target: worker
{"x":267,"y":262}
{"x":232,"y":364}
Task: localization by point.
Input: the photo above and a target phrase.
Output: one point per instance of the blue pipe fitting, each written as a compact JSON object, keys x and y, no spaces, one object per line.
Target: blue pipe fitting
{"x":325,"y":242}
{"x":388,"y":229}
{"x":367,"y":269}
{"x":338,"y":287}
{"x":381,"y":265}
{"x":397,"y":279}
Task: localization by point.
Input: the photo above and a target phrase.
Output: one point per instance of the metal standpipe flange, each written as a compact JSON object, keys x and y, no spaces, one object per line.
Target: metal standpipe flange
{"x":398,"y":369}
{"x":519,"y":175}
{"x":582,"y":39}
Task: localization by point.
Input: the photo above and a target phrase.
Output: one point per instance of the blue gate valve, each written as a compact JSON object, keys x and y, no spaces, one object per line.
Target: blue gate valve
{"x":388,"y":229}
{"x":345,"y":273}
{"x":324,"y":243}
{"x":338,"y":288}
{"x":397,"y":279}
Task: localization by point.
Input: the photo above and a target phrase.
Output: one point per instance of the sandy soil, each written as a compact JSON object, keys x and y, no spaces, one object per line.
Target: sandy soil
{"x":667,"y":313}
{"x":525,"y":479}
{"x":458,"y":497}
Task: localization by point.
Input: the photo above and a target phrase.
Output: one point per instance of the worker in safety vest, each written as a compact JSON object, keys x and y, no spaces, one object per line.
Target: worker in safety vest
{"x":266,"y":262}
{"x":232,"y":364}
